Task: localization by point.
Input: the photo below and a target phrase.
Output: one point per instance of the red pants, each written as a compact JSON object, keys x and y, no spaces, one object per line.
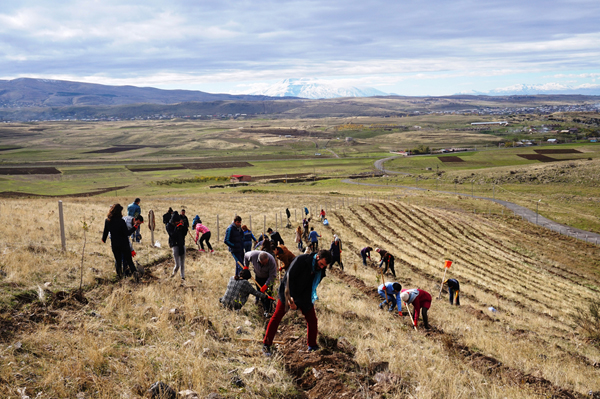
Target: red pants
{"x":311,"y":324}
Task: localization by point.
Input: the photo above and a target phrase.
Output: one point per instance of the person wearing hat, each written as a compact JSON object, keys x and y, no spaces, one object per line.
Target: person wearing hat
{"x":453,"y":290}
{"x":239,"y":289}
{"x":177,"y":234}
{"x":298,"y":290}
{"x":365,"y":253}
{"x":336,"y":252}
{"x":285,"y":256}
{"x":204,"y":233}
{"x":387,"y":259}
{"x":275,"y":236}
{"x":421,"y":300}
{"x":390,"y":292}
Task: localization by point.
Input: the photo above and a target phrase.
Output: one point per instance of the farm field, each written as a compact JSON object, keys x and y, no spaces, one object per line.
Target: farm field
{"x":117,"y":338}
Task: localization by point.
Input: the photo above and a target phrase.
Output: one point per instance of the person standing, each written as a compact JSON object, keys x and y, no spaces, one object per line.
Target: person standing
{"x":299,"y":239}
{"x":314,"y":239}
{"x":234,"y":239}
{"x":390,"y":292}
{"x":238,"y":290}
{"x":248,"y":238}
{"x":119,"y":239}
{"x":275,"y":236}
{"x":298,"y":290}
{"x":285,"y":256}
{"x":204,"y":233}
{"x":336,"y":252}
{"x":167,"y":217}
{"x":387,"y":259}
{"x":176,"y":231}
{"x":185,"y":221}
{"x":305,"y":222}
{"x":288,"y":214}
{"x":453,"y":290}
{"x":365,"y":253}
{"x":134,"y":210}
{"x":421,"y":300}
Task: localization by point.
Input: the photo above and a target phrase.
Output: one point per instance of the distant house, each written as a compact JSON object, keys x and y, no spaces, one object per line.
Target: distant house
{"x":240,"y":178}
{"x":553,"y":141}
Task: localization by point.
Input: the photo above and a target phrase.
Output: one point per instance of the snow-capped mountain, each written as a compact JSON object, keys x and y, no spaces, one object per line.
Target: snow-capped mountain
{"x":307,"y":88}
{"x":547,"y":88}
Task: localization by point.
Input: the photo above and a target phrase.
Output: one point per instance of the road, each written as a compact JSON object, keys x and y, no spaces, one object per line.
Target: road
{"x":518,"y":210}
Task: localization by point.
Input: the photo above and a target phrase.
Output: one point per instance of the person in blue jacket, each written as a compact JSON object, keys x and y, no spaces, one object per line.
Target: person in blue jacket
{"x":234,"y":239}
{"x":393,"y":296}
{"x":248,"y":238}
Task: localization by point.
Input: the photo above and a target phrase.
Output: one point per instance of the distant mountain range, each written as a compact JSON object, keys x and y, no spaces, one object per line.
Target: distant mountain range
{"x":548,"y":88}
{"x":307,"y":88}
{"x":26,"y":92}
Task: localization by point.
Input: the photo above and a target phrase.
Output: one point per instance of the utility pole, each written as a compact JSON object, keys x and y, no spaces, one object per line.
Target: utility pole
{"x":537,"y":207}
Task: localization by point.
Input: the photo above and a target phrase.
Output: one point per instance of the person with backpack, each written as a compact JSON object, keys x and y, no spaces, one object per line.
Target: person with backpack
{"x":204,"y":233}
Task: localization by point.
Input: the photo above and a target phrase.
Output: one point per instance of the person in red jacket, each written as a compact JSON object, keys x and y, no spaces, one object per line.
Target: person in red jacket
{"x":420,"y":300}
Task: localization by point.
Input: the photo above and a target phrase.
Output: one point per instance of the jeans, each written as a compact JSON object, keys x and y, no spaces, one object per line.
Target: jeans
{"x":239,"y":258}
{"x":311,"y":324}
{"x":454,"y":293}
{"x":179,"y":261}
{"x":123,"y":260}
{"x":391,"y":299}
{"x":364,"y":259}
{"x":247,"y":246}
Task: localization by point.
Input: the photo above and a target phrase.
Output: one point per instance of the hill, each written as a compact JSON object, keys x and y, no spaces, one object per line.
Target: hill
{"x":26,"y":92}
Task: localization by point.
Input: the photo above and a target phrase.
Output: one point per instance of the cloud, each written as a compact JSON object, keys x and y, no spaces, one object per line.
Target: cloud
{"x":165,"y":42}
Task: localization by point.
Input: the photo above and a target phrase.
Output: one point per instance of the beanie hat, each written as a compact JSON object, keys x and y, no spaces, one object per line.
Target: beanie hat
{"x":405,"y":296}
{"x":396,"y":286}
{"x":245,"y":274}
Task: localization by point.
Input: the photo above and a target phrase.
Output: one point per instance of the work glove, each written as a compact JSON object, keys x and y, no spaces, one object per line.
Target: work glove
{"x":264,"y":288}
{"x":271,"y":298}
{"x":133,"y":254}
{"x":281,"y":268}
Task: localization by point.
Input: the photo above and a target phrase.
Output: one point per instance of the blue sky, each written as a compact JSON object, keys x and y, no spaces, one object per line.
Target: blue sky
{"x":405,"y":47}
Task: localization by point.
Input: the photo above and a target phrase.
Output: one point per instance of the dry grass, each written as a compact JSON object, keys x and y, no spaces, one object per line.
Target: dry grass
{"x":126,"y":337}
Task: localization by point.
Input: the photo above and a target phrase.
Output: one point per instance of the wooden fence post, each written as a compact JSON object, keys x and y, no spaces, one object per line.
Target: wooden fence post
{"x":63,"y":240}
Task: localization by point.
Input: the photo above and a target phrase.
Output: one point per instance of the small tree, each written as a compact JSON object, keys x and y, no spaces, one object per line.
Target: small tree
{"x":589,"y":320}
{"x":86,"y":227}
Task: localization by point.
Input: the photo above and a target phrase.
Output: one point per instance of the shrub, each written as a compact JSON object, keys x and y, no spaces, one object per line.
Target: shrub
{"x":589,"y":320}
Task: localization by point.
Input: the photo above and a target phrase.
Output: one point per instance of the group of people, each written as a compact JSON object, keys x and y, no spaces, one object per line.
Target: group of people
{"x":303,"y":273}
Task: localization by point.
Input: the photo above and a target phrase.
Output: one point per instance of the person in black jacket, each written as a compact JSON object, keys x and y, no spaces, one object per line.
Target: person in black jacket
{"x":453,"y":290}
{"x":177,"y":232}
{"x":234,"y":239}
{"x":298,"y":290}
{"x":119,"y":239}
{"x":167,"y":217}
{"x":275,"y":236}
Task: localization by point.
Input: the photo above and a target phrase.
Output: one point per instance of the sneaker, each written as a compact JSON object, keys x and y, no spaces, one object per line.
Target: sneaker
{"x":212,"y":251}
{"x":266,"y":350}
{"x":172,"y":275}
{"x":201,"y":250}
{"x":313,"y":348}
{"x":381,"y":305}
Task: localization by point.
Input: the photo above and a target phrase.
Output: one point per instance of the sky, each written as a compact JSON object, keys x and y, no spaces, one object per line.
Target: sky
{"x":406,"y":47}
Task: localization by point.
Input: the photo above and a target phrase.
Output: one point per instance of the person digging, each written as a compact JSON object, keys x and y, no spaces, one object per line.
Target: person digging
{"x":453,"y":290}
{"x":421,"y":301}
{"x":390,"y":292}
{"x":298,"y":290}
{"x":239,"y":289}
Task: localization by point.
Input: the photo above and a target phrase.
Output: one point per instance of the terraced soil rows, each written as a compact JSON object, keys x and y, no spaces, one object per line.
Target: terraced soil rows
{"x":484,"y":364}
